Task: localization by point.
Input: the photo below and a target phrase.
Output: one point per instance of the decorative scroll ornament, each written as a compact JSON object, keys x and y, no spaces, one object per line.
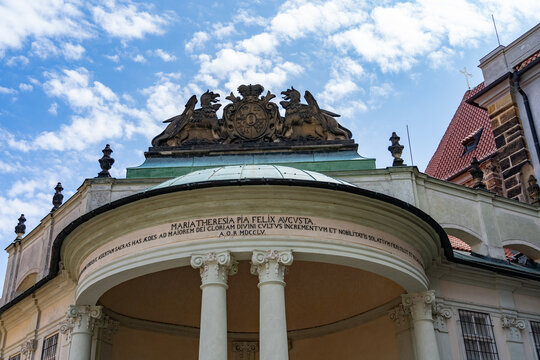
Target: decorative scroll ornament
{"x":271,"y":265}
{"x":420,"y":304}
{"x":251,"y":118}
{"x":513,"y":327}
{"x":80,"y":318}
{"x":440,"y":316}
{"x":400,"y":317}
{"x":215,"y":267}
{"x":28,"y":348}
{"x":108,"y":327}
{"x":245,"y":350}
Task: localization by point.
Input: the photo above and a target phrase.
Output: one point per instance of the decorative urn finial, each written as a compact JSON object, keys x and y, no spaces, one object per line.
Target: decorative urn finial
{"x":20,"y":229}
{"x":396,"y":149}
{"x":106,"y":162}
{"x":57,"y":197}
{"x":534,"y":190}
{"x":477,"y":174}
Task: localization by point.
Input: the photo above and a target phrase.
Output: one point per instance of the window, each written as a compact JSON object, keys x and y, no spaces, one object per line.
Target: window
{"x":478,"y":336}
{"x":535,"y":328}
{"x":49,"y":348}
{"x":471,"y":142}
{"x":15,"y":357}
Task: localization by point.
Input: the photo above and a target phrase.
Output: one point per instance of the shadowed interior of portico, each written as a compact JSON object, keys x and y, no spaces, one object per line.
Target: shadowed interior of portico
{"x":331,"y":310}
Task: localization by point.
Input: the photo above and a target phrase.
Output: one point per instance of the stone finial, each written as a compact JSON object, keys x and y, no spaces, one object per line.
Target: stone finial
{"x":477,"y":174}
{"x":57,"y":197}
{"x":534,"y":190}
{"x":396,"y":149}
{"x":106,"y":162}
{"x":20,"y":229}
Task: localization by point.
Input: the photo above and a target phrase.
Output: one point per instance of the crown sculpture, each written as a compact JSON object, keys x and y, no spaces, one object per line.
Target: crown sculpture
{"x":251,"y":120}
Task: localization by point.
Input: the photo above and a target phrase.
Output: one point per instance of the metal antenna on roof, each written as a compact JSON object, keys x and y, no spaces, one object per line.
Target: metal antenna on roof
{"x":410,"y":148}
{"x":467,"y":75}
{"x":499,"y":40}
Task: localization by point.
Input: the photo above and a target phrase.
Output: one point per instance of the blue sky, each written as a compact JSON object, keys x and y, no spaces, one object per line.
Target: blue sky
{"x":75,"y":75}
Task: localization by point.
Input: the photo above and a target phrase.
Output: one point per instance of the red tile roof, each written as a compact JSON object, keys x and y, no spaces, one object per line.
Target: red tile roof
{"x":529,"y":60}
{"x":449,"y":160}
{"x":458,"y":244}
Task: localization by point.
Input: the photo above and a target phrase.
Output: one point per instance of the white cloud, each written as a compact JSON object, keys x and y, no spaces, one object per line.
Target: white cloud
{"x":197,"y":41}
{"x":441,"y":58}
{"x":128,"y":20}
{"x":114,"y":58}
{"x":53,"y":109}
{"x":7,"y":91}
{"x":25,"y":87}
{"x":221,"y":30}
{"x":119,"y":68}
{"x":261,"y":43}
{"x":139,"y":58}
{"x":244,"y":17}
{"x":16,"y":60}
{"x":44,"y":48}
{"x":71,"y":51}
{"x":165,"y":56}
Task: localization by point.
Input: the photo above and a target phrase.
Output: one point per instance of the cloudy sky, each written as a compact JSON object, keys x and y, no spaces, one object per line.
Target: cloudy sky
{"x":77,"y":74}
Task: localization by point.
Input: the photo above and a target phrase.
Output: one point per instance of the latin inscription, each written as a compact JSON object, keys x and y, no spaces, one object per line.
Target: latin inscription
{"x":250,"y":225}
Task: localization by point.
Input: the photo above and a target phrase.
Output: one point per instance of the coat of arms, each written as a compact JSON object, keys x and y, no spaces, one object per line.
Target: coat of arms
{"x":251,"y":117}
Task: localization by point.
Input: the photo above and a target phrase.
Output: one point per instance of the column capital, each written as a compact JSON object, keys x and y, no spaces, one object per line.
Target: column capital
{"x":28,"y":348}
{"x":215,"y":267}
{"x":513,"y":327}
{"x":420,"y":304}
{"x":81,"y":318}
{"x":271,"y":265}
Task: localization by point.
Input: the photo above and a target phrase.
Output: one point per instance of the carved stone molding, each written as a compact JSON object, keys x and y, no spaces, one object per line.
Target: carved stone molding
{"x":28,"y":348}
{"x":400,"y":317}
{"x":420,"y":305}
{"x":245,"y":350}
{"x":271,"y":265}
{"x":513,"y":327}
{"x":80,"y":318}
{"x":440,"y":316}
{"x":215,"y":267}
{"x":108,"y":327}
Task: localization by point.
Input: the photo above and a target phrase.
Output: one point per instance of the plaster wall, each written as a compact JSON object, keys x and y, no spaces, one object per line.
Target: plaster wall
{"x":530,"y":83}
{"x":468,"y":294}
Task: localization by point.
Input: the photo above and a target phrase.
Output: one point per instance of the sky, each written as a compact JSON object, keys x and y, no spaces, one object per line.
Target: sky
{"x":78,"y":74}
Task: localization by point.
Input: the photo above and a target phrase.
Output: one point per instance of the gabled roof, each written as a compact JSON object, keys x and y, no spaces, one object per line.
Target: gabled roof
{"x":449,"y":159}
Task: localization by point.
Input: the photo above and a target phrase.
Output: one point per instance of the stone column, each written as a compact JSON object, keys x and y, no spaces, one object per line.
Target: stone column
{"x":441,"y":316}
{"x":79,"y":326}
{"x":271,"y":266}
{"x":420,"y":306}
{"x":215,"y":268}
{"x":513,"y":327}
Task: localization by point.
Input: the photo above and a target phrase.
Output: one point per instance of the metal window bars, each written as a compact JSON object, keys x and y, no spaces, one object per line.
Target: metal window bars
{"x":478,"y":336}
{"x":15,"y":357}
{"x":535,"y":329}
{"x":49,"y":347}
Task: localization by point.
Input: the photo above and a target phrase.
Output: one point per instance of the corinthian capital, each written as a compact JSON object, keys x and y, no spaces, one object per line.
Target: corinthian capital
{"x":271,"y":265}
{"x":215,"y":267}
{"x":80,"y":318}
{"x":419,"y":304}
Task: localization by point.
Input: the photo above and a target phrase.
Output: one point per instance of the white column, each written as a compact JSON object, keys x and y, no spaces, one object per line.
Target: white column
{"x":271,"y":266}
{"x":80,"y":323}
{"x":420,"y":306}
{"x":215,"y":268}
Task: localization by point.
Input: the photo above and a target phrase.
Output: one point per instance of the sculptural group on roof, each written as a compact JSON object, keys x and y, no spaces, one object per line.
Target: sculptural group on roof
{"x":251,"y":118}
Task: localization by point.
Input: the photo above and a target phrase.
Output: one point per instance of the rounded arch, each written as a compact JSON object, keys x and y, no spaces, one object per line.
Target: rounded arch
{"x":92,"y":287}
{"x":29,"y":279}
{"x":466,"y":235}
{"x":524,"y":247}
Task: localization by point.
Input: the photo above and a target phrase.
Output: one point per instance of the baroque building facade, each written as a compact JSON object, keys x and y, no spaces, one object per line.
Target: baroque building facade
{"x":261,"y":236}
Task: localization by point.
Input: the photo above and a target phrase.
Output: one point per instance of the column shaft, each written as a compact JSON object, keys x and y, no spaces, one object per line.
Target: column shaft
{"x":271,"y":267}
{"x":420,"y":306}
{"x":215,"y":268}
{"x":80,"y":323}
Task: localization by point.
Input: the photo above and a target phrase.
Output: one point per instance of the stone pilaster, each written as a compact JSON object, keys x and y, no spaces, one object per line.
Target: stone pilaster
{"x":215,"y":267}
{"x":402,"y":324}
{"x":441,"y":316}
{"x":28,"y":348}
{"x":271,"y":267}
{"x":513,"y":328}
{"x":420,"y":305}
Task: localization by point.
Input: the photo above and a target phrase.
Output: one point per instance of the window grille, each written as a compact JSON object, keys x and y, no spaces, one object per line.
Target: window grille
{"x":49,"y":348}
{"x":535,"y":327}
{"x":15,"y":357}
{"x":478,"y":336}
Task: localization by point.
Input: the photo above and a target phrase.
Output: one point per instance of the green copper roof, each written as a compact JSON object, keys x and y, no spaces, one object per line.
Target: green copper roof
{"x":328,"y":162}
{"x":240,"y":172}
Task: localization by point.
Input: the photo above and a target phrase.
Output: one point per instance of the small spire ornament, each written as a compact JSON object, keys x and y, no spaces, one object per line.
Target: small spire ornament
{"x":534,"y":190}
{"x":20,"y":229}
{"x":106,"y":162}
{"x":477,"y":174}
{"x":57,"y":197}
{"x":396,"y":149}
